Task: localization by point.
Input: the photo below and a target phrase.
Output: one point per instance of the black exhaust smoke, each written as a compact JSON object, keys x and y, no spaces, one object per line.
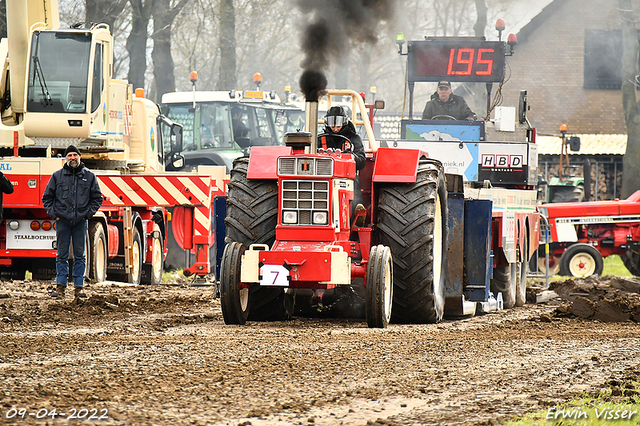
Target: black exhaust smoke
{"x":334,"y":26}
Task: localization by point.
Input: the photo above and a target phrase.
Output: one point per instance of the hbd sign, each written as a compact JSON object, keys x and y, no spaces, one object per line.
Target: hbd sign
{"x":501,"y":161}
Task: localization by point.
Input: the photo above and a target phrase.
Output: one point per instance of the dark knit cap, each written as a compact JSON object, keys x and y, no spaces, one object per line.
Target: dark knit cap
{"x":71,"y":148}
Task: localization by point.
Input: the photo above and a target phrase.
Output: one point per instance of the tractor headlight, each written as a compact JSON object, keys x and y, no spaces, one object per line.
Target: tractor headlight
{"x":319,"y":218}
{"x":14,"y":225}
{"x":289,"y":217}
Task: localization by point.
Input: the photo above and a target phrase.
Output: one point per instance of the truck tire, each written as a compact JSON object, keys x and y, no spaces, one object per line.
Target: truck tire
{"x":504,"y":281}
{"x":97,"y":252}
{"x":412,"y":222}
{"x":234,"y":297}
{"x":379,"y":287}
{"x":152,"y":272}
{"x":252,"y":216}
{"x":581,"y":260}
{"x":631,"y":260}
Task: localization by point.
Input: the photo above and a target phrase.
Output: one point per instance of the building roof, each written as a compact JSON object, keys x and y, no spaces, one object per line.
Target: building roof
{"x":589,"y":145}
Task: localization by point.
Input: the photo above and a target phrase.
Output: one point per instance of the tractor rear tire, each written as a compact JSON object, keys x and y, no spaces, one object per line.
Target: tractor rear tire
{"x":379,"y":287}
{"x":252,"y":216}
{"x":631,"y":260}
{"x":234,"y":297}
{"x":412,"y":222}
{"x":581,"y":260}
{"x":504,"y":281}
{"x":568,"y":194}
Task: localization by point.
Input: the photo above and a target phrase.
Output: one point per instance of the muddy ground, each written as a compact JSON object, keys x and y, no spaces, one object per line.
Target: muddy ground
{"x":163,"y":356}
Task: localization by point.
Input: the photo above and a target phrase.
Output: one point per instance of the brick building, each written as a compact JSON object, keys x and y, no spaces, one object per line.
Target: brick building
{"x":568,"y":60}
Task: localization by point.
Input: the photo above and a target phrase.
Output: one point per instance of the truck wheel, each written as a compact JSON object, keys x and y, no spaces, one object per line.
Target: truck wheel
{"x":153,"y":271}
{"x":412,"y":222}
{"x":234,"y":296}
{"x":97,"y":252}
{"x":631,"y":260}
{"x":134,"y":276}
{"x":379,"y":287}
{"x":581,"y":260}
{"x":252,"y":216}
{"x":504,"y":281}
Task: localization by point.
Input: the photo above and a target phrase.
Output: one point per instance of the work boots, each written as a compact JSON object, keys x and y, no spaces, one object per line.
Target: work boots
{"x":58,"y":292}
{"x":79,"y":294}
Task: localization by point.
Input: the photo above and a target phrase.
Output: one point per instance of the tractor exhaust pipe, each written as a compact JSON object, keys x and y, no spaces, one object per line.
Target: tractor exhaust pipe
{"x":311,"y":123}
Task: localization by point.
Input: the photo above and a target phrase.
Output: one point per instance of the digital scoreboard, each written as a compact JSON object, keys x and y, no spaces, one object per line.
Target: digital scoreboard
{"x":456,"y":60}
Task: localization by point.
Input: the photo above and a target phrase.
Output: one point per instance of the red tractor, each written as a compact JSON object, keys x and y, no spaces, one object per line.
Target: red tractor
{"x":583,"y":233}
{"x":290,"y":227}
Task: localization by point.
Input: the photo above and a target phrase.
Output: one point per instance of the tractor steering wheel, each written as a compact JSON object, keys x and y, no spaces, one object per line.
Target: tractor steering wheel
{"x":443,"y":117}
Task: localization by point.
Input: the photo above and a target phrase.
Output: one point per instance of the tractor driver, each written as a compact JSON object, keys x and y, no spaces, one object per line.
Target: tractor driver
{"x":340,"y":133}
{"x":444,"y":105}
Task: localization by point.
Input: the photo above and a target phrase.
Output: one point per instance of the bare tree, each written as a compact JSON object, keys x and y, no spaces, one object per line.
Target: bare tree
{"x":101,"y":11}
{"x":137,"y":41}
{"x":227,"y":43}
{"x":163,"y":68}
{"x":631,"y":159}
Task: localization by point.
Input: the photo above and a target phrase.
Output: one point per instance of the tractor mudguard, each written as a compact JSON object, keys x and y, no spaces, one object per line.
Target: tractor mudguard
{"x":263,"y":163}
{"x":396,"y":165}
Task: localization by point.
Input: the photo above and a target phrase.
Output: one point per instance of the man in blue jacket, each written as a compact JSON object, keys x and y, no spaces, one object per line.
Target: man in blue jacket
{"x":71,"y":197}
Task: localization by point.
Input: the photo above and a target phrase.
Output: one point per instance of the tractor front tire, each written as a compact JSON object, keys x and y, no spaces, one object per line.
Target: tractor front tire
{"x":581,"y":260}
{"x":252,"y":216}
{"x":379,"y":287}
{"x":412,"y":222}
{"x":234,"y":296}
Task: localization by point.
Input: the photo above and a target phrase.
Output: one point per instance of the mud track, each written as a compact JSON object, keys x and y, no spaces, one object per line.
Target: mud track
{"x":163,"y":356}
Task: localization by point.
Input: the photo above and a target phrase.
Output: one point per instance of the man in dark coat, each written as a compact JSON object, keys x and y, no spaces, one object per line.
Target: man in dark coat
{"x":71,"y":197}
{"x":444,"y":104}
{"x":6,"y":187}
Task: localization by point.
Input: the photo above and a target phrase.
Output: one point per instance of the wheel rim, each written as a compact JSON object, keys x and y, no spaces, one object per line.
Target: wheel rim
{"x":437,"y":251}
{"x":582,"y":265}
{"x":243,"y":297}
{"x":388,"y":290}
{"x":100,"y":260}
{"x":157,"y":259}
{"x":135,"y":268}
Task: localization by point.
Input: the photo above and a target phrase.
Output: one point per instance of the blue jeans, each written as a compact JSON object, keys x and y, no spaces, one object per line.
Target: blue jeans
{"x":65,"y":233}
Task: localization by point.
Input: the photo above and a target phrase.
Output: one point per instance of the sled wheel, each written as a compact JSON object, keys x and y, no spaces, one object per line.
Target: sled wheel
{"x":503,"y":281}
{"x":234,"y":295}
{"x":581,"y":260}
{"x":379,"y":287}
{"x":521,"y":276}
{"x":97,"y":252}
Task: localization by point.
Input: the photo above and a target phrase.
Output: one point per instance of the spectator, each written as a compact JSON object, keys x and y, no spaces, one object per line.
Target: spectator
{"x":71,"y":197}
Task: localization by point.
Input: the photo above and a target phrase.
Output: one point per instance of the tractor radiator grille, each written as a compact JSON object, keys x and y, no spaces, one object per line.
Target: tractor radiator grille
{"x":305,"y":166}
{"x":305,"y":202}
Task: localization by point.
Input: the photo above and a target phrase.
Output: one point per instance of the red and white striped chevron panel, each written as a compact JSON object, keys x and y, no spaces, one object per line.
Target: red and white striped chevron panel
{"x":156,"y":190}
